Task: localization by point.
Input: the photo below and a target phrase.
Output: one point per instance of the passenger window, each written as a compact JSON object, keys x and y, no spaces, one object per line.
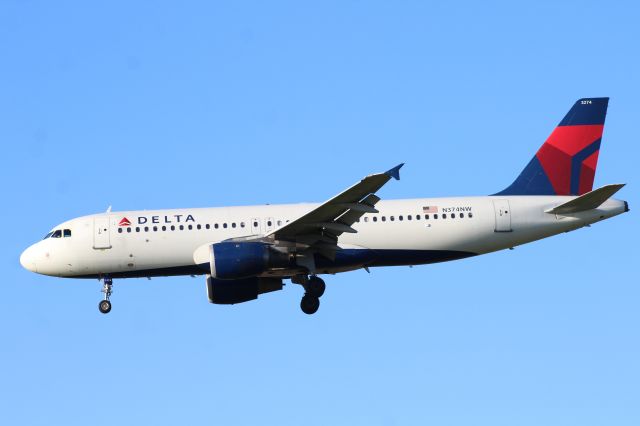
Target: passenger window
{"x":207,"y":226}
{"x":470,"y":215}
{"x":164,"y":228}
{"x":435,"y":216}
{"x":268,"y":223}
{"x":409,"y":217}
{"x":461,"y":215}
{"x":453,"y":215}
{"x":391,"y":218}
{"x":279,"y":222}
{"x":241,"y":224}
{"x":119,"y":232}
{"x":173,"y":227}
{"x":216,"y":225}
{"x":224,"y":225}
{"x":190,"y":227}
{"x":137,"y":229}
{"x":418,"y":217}
{"x":366,"y":219}
{"x":56,"y":234}
{"x":384,"y":218}
{"x":400,"y":217}
{"x":155,"y":229}
{"x":444,"y":215}
{"x":129,"y":229}
{"x":67,"y":233}
{"x":426,"y":217}
{"x":233,"y":224}
{"x":146,"y":229}
{"x":182,"y":227}
{"x":199,"y":226}
{"x":255,"y":224}
{"x":375,"y":218}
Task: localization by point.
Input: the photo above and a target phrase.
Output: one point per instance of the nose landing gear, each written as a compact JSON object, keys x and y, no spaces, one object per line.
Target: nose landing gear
{"x":107,"y":288}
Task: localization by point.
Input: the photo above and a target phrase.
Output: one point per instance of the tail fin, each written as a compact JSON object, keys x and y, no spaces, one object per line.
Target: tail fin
{"x":566,"y":163}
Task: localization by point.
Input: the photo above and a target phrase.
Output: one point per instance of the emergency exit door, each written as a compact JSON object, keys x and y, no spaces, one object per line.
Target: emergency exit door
{"x":503,"y":215}
{"x":255,"y":226}
{"x":101,"y":237}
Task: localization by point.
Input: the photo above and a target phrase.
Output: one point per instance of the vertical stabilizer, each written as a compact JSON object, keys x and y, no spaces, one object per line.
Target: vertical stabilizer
{"x":566,"y":163}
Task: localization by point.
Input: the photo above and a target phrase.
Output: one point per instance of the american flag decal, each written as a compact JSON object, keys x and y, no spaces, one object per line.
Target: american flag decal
{"x":430,"y":209}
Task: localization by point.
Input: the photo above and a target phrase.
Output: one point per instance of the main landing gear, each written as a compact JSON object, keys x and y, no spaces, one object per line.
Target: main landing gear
{"x":107,"y":288}
{"x":314,"y":289}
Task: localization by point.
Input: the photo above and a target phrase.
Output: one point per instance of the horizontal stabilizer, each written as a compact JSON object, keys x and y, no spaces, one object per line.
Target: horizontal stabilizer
{"x":590,"y":200}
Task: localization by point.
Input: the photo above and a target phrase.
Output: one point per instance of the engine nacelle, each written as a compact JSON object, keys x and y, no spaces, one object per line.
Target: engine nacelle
{"x":229,"y":292}
{"x":244,"y":259}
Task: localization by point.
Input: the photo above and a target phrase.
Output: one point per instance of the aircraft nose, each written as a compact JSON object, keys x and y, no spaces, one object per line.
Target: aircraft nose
{"x":27,"y":260}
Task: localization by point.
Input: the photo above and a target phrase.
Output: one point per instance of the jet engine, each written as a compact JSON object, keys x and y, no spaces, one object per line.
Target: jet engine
{"x":229,"y":292}
{"x":245,"y":259}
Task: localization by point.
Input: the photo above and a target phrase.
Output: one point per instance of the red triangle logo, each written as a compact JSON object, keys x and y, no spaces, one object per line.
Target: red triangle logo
{"x":124,"y":222}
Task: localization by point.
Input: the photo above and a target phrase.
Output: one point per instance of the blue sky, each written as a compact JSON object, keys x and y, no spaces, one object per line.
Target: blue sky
{"x":178,"y":104}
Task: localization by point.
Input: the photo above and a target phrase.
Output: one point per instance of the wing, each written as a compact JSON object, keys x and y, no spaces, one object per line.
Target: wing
{"x":319,"y":229}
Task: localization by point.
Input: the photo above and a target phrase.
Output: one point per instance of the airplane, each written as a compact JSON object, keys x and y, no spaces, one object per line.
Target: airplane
{"x":250,"y":250}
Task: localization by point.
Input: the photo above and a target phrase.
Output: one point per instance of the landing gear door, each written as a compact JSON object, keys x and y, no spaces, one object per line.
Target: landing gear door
{"x":101,"y":237}
{"x":503,"y":215}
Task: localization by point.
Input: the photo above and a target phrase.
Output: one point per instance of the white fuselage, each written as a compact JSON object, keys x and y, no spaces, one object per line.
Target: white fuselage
{"x":163,"y":242}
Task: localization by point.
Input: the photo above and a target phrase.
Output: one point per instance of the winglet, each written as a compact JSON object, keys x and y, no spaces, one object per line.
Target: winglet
{"x":395,"y":172}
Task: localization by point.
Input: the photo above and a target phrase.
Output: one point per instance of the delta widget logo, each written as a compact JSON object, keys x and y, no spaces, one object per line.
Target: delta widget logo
{"x":124,"y":222}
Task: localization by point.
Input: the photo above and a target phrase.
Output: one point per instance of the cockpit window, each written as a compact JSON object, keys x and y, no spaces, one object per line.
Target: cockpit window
{"x":58,"y":234}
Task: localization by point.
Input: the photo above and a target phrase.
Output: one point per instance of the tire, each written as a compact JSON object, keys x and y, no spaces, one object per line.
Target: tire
{"x":316,"y":286}
{"x":309,"y":304}
{"x":104,"y":306}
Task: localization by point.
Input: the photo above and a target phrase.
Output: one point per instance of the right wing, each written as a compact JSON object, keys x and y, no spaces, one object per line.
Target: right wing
{"x":319,"y":229}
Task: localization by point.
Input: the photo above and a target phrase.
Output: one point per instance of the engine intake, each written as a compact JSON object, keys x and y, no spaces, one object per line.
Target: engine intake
{"x":237,"y":260}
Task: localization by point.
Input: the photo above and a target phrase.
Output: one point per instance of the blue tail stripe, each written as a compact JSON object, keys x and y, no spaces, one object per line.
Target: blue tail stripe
{"x":532,"y":180}
{"x":586,"y":111}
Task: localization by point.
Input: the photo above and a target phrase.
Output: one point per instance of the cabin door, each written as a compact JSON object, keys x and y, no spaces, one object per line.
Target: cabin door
{"x":101,"y":237}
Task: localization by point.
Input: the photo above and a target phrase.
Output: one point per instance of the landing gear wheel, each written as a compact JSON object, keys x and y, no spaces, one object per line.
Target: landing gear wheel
{"x":107,"y":288}
{"x":104,"y":306}
{"x":315,"y":286}
{"x":309,"y":304}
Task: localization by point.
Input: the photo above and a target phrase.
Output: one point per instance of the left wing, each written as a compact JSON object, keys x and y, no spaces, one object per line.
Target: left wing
{"x":319,"y":229}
